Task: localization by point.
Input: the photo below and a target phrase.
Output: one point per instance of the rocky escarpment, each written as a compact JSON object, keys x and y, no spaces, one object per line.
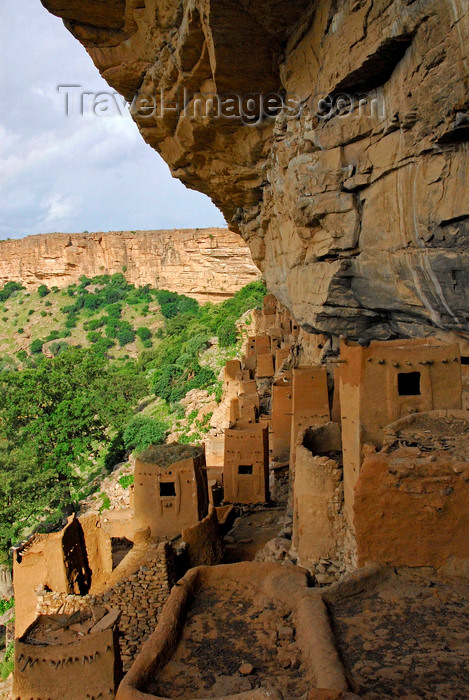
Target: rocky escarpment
{"x":355,"y":204}
{"x":207,"y":264}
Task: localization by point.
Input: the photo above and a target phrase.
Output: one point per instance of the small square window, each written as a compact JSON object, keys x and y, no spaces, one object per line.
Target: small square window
{"x":245,"y":469}
{"x":167,"y":489}
{"x":409,"y":384}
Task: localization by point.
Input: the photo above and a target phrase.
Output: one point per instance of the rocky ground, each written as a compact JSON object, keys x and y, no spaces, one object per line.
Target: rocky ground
{"x":119,"y":496}
{"x":233,"y":641}
{"x":408,"y":638}
{"x":251,"y":532}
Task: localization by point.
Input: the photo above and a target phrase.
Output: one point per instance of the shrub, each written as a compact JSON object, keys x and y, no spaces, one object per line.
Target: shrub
{"x":144,"y":333}
{"x":125,"y":336}
{"x":8,"y":662}
{"x":71,"y":322}
{"x":142,"y":431}
{"x":43,"y":313}
{"x":93,"y":337}
{"x":102,"y":346}
{"x":21,"y":330}
{"x":43,"y":291}
{"x":57,"y":348}
{"x":9,"y":289}
{"x":53,"y":335}
{"x":172,"y":304}
{"x":227,"y":334}
{"x":36,"y":347}
{"x":6,"y":605}
{"x":106,"y":502}
{"x":21,"y":355}
{"x":94,"y":324}
{"x":126,"y":480}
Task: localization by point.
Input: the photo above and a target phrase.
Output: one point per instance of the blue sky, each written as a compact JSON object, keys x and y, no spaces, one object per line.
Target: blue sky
{"x":72,"y":174}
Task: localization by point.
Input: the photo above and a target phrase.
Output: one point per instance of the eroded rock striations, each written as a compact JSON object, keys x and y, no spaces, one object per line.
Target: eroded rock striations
{"x":357,"y":215}
{"x":207,"y":264}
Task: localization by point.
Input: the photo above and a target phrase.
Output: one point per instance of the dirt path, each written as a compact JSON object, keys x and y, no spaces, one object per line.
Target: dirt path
{"x":251,"y":531}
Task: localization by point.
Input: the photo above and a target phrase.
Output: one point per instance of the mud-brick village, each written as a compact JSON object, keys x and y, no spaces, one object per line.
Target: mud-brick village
{"x":234,"y":460}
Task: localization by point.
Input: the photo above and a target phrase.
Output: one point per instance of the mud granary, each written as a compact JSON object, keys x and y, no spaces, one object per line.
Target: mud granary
{"x":89,"y":594}
{"x":170,"y":490}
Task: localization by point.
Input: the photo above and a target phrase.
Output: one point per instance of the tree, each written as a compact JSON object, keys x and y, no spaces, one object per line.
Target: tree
{"x":51,"y":419}
{"x":9,"y":289}
{"x":144,"y":333}
{"x":36,"y":346}
{"x":143,"y":431}
{"x":125,"y":336}
{"x":43,"y":291}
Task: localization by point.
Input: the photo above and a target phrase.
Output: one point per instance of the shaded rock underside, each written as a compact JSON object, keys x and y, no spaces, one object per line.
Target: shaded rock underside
{"x":358,"y":219}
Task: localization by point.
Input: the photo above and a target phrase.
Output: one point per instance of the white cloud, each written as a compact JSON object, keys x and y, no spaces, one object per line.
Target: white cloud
{"x":81,"y":173}
{"x":59,"y":210}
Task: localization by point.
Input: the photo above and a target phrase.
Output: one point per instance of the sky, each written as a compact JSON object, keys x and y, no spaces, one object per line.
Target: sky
{"x":76,"y":173}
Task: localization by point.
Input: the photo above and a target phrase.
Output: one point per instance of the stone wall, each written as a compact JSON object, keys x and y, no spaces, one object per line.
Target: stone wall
{"x":140,"y":593}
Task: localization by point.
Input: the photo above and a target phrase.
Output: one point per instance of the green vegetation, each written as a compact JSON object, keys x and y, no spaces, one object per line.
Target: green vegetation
{"x":9,"y":289}
{"x":106,"y":502}
{"x":175,"y":363}
{"x":105,"y":304}
{"x":142,"y":431}
{"x":54,"y":420}
{"x":126,"y":481}
{"x":68,"y":411}
{"x":8,"y":662}
{"x":6,"y":605}
{"x":36,"y":347}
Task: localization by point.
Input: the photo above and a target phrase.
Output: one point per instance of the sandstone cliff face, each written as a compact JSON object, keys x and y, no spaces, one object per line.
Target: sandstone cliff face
{"x":360,"y":221}
{"x":206,"y":264}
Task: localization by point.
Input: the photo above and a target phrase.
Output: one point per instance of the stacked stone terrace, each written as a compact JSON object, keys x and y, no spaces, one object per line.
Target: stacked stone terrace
{"x":138,"y":590}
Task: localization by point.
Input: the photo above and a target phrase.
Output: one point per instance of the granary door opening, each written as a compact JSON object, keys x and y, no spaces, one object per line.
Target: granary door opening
{"x":408,"y":383}
{"x":245,"y":469}
{"x":167,"y":489}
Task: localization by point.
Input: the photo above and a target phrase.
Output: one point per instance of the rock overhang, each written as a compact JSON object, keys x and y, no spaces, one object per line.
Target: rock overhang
{"x":356,"y":212}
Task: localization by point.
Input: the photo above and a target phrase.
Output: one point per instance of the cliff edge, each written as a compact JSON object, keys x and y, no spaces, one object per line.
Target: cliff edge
{"x":206,"y":264}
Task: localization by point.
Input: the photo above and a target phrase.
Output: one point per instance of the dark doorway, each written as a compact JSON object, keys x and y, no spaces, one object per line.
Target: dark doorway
{"x":167,"y":489}
{"x":121,"y":546}
{"x":409,"y":384}
{"x":245,"y":469}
